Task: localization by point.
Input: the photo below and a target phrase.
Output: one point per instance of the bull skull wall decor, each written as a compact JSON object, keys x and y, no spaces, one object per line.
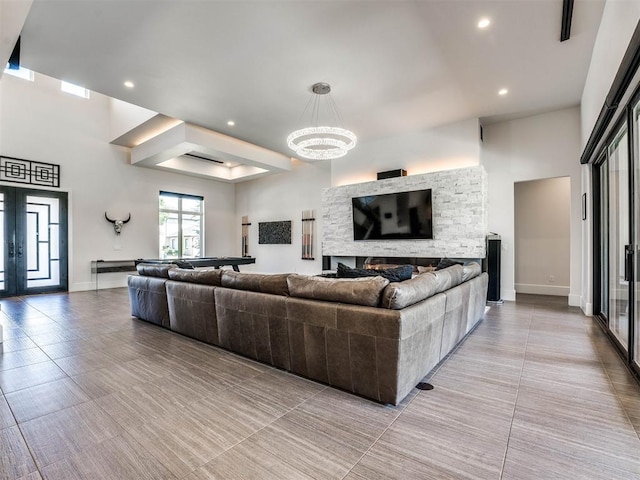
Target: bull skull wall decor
{"x":117,"y":224}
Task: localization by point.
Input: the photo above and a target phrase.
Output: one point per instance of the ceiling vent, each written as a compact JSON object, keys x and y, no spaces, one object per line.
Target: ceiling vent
{"x":203,"y":157}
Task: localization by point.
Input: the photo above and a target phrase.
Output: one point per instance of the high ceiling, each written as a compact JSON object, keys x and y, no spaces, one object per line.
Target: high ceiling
{"x":394,"y":66}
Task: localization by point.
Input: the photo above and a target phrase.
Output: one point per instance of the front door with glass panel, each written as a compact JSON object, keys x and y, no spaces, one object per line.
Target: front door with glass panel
{"x":33,"y":226}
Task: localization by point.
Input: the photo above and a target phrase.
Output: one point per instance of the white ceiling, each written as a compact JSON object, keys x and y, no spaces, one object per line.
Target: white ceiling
{"x":394,"y":66}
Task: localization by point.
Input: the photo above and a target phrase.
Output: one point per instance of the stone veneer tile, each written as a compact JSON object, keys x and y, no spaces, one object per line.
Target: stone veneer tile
{"x":460,"y":219}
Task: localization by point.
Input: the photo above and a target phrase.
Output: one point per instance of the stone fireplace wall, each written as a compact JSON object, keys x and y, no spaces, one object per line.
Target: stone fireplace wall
{"x":460,"y":220}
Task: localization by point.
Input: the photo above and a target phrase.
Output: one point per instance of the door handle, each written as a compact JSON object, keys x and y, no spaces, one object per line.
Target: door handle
{"x":11,"y":250}
{"x":628,"y":263}
{"x":20,"y":250}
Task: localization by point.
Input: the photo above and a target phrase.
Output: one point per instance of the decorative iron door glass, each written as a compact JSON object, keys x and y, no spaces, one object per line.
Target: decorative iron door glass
{"x":33,"y":254}
{"x":43,"y":241}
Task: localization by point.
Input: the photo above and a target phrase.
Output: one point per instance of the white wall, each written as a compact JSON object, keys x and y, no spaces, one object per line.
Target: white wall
{"x":542,"y":236}
{"x":12,"y":17}
{"x":619,"y":20}
{"x":124,"y":117}
{"x":41,"y":123}
{"x":452,"y":146}
{"x":532,"y":148}
{"x":283,"y":197}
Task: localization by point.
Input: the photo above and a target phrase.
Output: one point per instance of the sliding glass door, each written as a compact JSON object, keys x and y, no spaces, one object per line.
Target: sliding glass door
{"x":619,"y":240}
{"x":635,"y":154}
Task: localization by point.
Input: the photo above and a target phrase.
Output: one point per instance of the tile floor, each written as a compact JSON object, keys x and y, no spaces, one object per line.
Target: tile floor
{"x":536,"y":392}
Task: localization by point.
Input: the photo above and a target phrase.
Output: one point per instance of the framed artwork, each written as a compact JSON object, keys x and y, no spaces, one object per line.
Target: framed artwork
{"x":274,"y":232}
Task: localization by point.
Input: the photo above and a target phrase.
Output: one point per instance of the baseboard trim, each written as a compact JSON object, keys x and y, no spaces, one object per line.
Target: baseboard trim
{"x":575,"y":300}
{"x":102,"y":284}
{"x":509,"y":295}
{"x":556,"y":290}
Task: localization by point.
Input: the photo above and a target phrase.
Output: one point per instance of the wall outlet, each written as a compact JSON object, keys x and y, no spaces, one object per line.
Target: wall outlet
{"x":552,"y":278}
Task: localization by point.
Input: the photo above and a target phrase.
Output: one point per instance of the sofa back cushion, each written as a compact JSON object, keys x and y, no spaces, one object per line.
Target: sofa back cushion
{"x":204,"y":276}
{"x":154,"y":269}
{"x":448,"y":277}
{"x":470,"y":271}
{"x":275,"y":284}
{"x":402,"y":294}
{"x":356,"y":291}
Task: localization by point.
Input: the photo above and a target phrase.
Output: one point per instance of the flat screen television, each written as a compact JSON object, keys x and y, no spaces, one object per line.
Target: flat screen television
{"x":402,"y":215}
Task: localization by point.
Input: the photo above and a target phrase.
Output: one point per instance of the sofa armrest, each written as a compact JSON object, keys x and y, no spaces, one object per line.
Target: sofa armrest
{"x":148,"y":298}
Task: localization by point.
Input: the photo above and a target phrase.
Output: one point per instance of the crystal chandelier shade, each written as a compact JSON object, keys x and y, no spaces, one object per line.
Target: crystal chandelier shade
{"x":321,"y":142}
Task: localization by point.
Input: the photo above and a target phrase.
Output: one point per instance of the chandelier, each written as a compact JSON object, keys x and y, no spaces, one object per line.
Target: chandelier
{"x":321,"y":142}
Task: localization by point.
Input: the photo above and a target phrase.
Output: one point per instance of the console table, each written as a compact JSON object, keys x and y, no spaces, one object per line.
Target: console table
{"x":111,"y":266}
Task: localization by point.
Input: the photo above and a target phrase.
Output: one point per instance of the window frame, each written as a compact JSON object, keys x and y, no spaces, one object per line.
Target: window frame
{"x":180,"y":212}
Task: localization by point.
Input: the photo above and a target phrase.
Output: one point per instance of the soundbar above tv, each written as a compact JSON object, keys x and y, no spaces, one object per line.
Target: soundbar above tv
{"x":393,"y":216}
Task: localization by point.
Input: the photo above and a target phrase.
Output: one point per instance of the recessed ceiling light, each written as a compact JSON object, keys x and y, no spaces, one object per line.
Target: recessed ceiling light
{"x":503,"y":91}
{"x":228,"y":164}
{"x":231,"y":123}
{"x":484,"y":23}
{"x":129,"y":84}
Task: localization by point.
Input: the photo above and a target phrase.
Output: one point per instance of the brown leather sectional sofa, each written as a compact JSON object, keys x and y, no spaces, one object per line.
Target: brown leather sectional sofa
{"x":363,"y":335}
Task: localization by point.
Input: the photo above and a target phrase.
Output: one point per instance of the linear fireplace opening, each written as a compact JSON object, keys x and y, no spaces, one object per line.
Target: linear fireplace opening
{"x":379,"y":262}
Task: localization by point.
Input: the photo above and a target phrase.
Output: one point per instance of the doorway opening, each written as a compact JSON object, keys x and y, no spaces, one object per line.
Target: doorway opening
{"x":542,"y":220}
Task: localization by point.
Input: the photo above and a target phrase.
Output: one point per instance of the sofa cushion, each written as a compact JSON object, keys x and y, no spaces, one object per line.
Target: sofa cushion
{"x":154,"y":269}
{"x":395,"y":274}
{"x":448,"y":278}
{"x":275,"y":284}
{"x":470,"y":271}
{"x":357,"y":291}
{"x":402,"y":294}
{"x":447,"y":262}
{"x":204,"y":276}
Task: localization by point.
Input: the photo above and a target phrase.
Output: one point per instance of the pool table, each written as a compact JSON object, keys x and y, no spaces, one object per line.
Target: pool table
{"x":217,"y":262}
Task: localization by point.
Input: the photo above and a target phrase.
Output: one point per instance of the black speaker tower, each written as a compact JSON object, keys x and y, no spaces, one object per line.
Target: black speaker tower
{"x":493,"y":268}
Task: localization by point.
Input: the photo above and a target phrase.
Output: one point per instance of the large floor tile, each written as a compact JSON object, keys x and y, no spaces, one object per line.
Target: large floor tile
{"x":15,"y":459}
{"x":58,"y":435}
{"x":116,"y":458}
{"x":6,"y":416}
{"x":243,"y":464}
{"x":88,"y":362}
{"x":16,"y":343}
{"x":535,"y":455}
{"x":33,"y":402}
{"x":22,"y":358}
{"x":109,"y":380}
{"x":29,"y":376}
